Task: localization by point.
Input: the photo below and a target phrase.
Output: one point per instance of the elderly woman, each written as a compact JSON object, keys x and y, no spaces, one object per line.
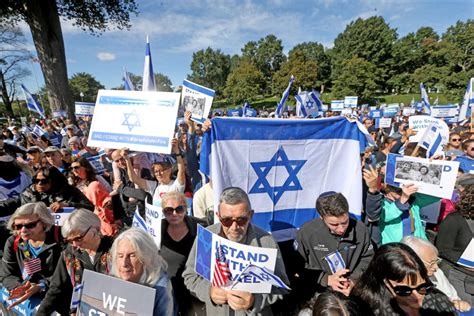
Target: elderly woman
{"x":162,"y":172}
{"x":135,"y":258}
{"x":51,"y":187}
{"x":87,"y":249}
{"x":35,"y":240}
{"x":178,"y":232}
{"x":86,"y":180}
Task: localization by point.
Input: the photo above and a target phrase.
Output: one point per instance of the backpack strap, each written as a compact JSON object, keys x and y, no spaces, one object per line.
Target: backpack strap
{"x":15,"y":243}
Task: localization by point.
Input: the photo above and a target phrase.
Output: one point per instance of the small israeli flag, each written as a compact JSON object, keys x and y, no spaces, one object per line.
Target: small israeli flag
{"x":335,"y":262}
{"x":263,"y":275}
{"x":244,"y":109}
{"x":32,"y":103}
{"x":148,"y":74}
{"x":127,"y":83}
{"x":139,"y":222}
{"x":38,"y":131}
{"x":468,"y":101}
{"x":425,"y":101}
{"x":431,"y":141}
{"x":76,"y":296}
{"x":280,"y":108}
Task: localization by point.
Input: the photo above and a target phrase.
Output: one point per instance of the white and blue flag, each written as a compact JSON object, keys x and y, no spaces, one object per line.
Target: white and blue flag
{"x":308,"y":104}
{"x":281,"y":106}
{"x":38,"y":131}
{"x":425,"y":101}
{"x":284,"y":165}
{"x":468,"y":101}
{"x":127,"y":83}
{"x":262,"y":275}
{"x":335,"y":262}
{"x":148,"y":74}
{"x":139,"y":222}
{"x":432,"y":141}
{"x":244,"y":108}
{"x":32,"y":103}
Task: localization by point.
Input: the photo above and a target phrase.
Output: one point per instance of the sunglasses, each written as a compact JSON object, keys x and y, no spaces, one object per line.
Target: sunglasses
{"x":42,"y":181}
{"x":456,"y":139}
{"x":404,"y":290}
{"x":27,"y":226}
{"x":78,"y":238}
{"x":169,"y":210}
{"x":228,"y":221}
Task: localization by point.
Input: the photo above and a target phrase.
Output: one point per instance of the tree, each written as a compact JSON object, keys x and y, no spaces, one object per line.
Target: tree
{"x":163,"y":83}
{"x":42,"y":17}
{"x":86,"y":84}
{"x":357,"y":77}
{"x":13,"y":55}
{"x":210,"y":68}
{"x":316,"y":52}
{"x":244,"y":83}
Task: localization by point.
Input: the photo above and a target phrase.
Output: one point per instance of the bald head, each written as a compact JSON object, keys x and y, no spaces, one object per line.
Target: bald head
{"x":425,"y":250}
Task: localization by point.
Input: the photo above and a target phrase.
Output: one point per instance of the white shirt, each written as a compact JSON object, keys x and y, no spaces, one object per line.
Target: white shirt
{"x":158,"y":190}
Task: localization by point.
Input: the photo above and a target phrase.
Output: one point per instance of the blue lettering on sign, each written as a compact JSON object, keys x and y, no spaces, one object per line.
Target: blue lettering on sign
{"x":244,"y":255}
{"x":130,"y":139}
{"x":152,"y":213}
{"x":447,"y":169}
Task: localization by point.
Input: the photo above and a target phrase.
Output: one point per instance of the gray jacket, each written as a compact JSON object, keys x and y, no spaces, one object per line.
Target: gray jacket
{"x":200,"y":287}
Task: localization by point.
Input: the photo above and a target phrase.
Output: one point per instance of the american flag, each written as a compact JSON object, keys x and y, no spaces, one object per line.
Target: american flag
{"x":32,"y":266}
{"x":221,"y":269}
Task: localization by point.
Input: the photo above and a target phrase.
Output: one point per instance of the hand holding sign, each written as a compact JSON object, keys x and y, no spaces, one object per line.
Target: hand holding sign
{"x":240,"y":300}
{"x":218,"y":295}
{"x":407,"y":191}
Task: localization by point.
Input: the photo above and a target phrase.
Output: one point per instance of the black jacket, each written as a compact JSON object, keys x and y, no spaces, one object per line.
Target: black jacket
{"x":58,"y":297}
{"x":453,"y":237}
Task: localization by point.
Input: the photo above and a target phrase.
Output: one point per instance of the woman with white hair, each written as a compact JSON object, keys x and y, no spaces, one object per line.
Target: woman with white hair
{"x":87,"y":249}
{"x":31,"y":254}
{"x":135,"y":258}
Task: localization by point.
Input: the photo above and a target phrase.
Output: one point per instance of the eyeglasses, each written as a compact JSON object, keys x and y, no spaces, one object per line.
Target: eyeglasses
{"x":432,"y":262}
{"x":169,"y":210}
{"x":228,"y":221}
{"x":42,"y":181}
{"x":405,"y":290}
{"x":27,"y":226}
{"x":78,"y":238}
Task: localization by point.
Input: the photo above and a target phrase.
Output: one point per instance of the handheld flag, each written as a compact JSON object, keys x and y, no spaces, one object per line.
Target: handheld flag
{"x":412,"y":103}
{"x":245,"y":107}
{"x":308,"y":104}
{"x":263,"y":275}
{"x":32,"y":266}
{"x":127,"y":83}
{"x":138,"y":221}
{"x":38,"y":131}
{"x":280,"y":108}
{"x":468,"y":101}
{"x":431,"y":141}
{"x":425,"y":101}
{"x":436,"y":101}
{"x":148,"y":74}
{"x":31,"y":102}
{"x":221,"y":269}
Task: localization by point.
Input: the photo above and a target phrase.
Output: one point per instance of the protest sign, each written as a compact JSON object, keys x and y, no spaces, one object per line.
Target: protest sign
{"x":97,"y":164}
{"x":373,"y":114}
{"x":250,"y":112}
{"x":408,"y":111}
{"x":59,"y":113}
{"x":350,"y":102}
{"x":238,"y":257}
{"x":436,"y":177}
{"x":60,"y":217}
{"x":139,"y":120}
{"x":153,"y":217}
{"x":234,"y":112}
{"x":390,"y":111}
{"x":197,"y":100}
{"x":467,"y":257}
{"x":445,"y":111}
{"x":26,"y":308}
{"x":337,"y":105}
{"x":430,"y":212}
{"x":385,"y":122}
{"x":420,"y":123}
{"x":84,"y":108}
{"x":104,"y":295}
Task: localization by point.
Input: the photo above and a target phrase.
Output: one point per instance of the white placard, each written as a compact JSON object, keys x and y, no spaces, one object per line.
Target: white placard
{"x":197,"y":100}
{"x":59,"y":218}
{"x":153,"y":217}
{"x":448,"y":111}
{"x":420,"y":123}
{"x":385,"y":122}
{"x":350,"y":102}
{"x":467,"y":257}
{"x":337,"y":105}
{"x":408,"y":111}
{"x":84,"y":108}
{"x":140,"y":120}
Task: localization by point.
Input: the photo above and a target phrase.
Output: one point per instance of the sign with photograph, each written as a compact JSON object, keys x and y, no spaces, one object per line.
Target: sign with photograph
{"x":197,"y":100}
{"x":436,"y":177}
{"x":84,"y":108}
{"x":139,"y":120}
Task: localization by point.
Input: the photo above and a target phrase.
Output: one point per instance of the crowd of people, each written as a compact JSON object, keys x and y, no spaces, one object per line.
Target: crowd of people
{"x":391,"y":262}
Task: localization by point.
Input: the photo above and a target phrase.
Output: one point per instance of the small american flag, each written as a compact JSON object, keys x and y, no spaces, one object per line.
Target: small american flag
{"x":32,"y":266}
{"x":221,"y":269}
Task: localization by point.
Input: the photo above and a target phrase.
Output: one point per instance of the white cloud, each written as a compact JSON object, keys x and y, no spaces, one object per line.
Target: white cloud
{"x":105,"y":56}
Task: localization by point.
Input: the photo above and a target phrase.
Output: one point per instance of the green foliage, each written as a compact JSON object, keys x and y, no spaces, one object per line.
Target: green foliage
{"x":315,"y":52}
{"x":244,"y":83}
{"x":210,"y":68}
{"x":85,"y":83}
{"x":163,"y":83}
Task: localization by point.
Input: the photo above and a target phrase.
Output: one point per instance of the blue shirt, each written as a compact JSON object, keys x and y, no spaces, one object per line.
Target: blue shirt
{"x":466,"y":164}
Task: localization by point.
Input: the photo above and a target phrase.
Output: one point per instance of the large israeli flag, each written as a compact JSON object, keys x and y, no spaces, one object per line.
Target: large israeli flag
{"x":468,"y":101}
{"x":425,"y":101}
{"x":32,"y":103}
{"x":284,"y":165}
{"x":281,"y":106}
{"x":148,"y":75}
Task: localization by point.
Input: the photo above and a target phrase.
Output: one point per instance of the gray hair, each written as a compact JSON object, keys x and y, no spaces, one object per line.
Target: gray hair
{"x":234,"y":196}
{"x":178,"y":196}
{"x":79,"y":221}
{"x":146,"y":251}
{"x":417,"y":244}
{"x":39,"y":209}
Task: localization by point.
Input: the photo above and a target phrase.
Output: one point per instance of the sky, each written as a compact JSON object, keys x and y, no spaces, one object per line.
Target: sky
{"x":177,"y":28}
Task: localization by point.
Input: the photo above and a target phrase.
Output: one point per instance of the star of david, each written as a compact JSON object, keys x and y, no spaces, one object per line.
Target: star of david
{"x":131,"y":120}
{"x":263,"y":168}
{"x":309,"y":104}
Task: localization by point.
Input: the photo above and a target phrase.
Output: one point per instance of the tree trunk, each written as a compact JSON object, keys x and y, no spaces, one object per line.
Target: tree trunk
{"x":5,"y":97}
{"x":43,"y":19}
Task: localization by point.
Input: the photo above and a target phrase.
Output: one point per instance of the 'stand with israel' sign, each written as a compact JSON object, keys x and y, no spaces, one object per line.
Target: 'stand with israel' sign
{"x":140,"y":120}
{"x":106,"y":295}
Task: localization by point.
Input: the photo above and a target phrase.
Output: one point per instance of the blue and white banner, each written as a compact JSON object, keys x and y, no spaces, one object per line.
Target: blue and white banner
{"x":127,"y":83}
{"x":32,"y":103}
{"x":467,"y":257}
{"x":238,"y":257}
{"x":234,"y":112}
{"x":148,"y":74}
{"x":468,"y":101}
{"x":153,"y":217}
{"x":391,"y":110}
{"x":281,"y":105}
{"x":350,"y":102}
{"x":408,"y":111}
{"x":84,"y":108}
{"x":141,"y":121}
{"x":285,"y":164}
{"x":197,"y":100}
{"x":60,"y":113}
{"x":26,"y":308}
{"x":337,"y":105}
{"x":262,"y":275}
{"x":97,"y":164}
{"x":308,"y":104}
{"x":374,"y":114}
{"x":425,"y":100}
{"x":139,"y":222}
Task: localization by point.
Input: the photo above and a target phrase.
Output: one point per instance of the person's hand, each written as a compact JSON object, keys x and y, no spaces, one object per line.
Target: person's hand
{"x":218,"y":295}
{"x":407,"y":191}
{"x":174,"y":145}
{"x":461,"y":306}
{"x":124,"y":153}
{"x":240,"y":300}
{"x":370,"y":177}
{"x":27,"y":291}
{"x":187,"y":117}
{"x":57,"y":206}
{"x":207,"y":125}
{"x":337,"y":281}
{"x":411,"y":132}
{"x":348,"y":285}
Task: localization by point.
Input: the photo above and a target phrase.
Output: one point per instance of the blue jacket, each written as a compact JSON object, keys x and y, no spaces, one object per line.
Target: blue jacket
{"x":164,"y":302}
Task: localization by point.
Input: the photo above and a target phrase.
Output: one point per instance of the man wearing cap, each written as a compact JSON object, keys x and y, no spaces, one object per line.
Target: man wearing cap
{"x":55,"y":158}
{"x":34,"y":154}
{"x":335,"y":248}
